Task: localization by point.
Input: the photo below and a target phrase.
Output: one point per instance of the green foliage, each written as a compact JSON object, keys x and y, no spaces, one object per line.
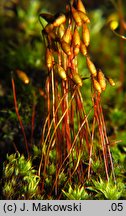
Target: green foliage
{"x":28,"y":18}
{"x":20,"y":179}
{"x":107,"y":189}
{"x":78,"y":193}
{"x":22,"y":28}
{"x":36,"y":152}
{"x":118,"y":117}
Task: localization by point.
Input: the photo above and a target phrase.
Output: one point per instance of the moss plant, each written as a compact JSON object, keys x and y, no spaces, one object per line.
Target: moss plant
{"x":67,"y":128}
{"x":20,"y":180}
{"x":78,"y":193}
{"x":72,"y":151}
{"x":108,"y":190}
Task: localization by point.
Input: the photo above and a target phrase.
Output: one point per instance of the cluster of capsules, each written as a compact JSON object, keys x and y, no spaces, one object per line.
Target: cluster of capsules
{"x":66,"y":35}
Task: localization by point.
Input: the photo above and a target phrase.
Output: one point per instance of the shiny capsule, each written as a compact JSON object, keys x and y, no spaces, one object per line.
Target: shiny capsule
{"x":76,"y":42}
{"x":91,"y":67}
{"x":85,"y":34}
{"x":111,"y":81}
{"x":59,"y":20}
{"x":61,"y":31}
{"x":83,"y":16}
{"x":76,"y":38}
{"x":66,"y":47}
{"x":67,"y":35}
{"x":76,"y":16}
{"x":77,"y":79}
{"x":49,"y":59}
{"x":80,"y":6}
{"x":23,"y":76}
{"x":76,"y":50}
{"x":61,"y":72}
{"x":83,"y":49}
{"x":101,"y":80}
{"x":97,"y":86}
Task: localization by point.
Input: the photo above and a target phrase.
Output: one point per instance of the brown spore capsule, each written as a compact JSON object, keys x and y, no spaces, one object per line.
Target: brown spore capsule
{"x":23,"y":76}
{"x":77,"y":79}
{"x":83,"y":16}
{"x":76,"y":50}
{"x":66,"y":47}
{"x":49,"y":59}
{"x":101,"y":80}
{"x":111,"y":81}
{"x":76,"y":38}
{"x":61,"y":72}
{"x":91,"y":67}
{"x":80,"y":6}
{"x":61,"y":31}
{"x":59,"y":20}
{"x":76,"y":16}
{"x":96,"y":85}
{"x":85,"y":34}
{"x":67,"y":35}
{"x":83,"y":49}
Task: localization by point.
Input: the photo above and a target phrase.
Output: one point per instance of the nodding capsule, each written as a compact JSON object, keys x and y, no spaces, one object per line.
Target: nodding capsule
{"x":76,"y":42}
{"x":23,"y":76}
{"x":59,"y":20}
{"x":61,"y":31}
{"x":111,"y":81}
{"x":96,"y":85}
{"x":65,"y":47}
{"x":61,"y":72}
{"x":101,"y":80}
{"x":76,"y":50}
{"x":49,"y":59}
{"x":77,"y":79}
{"x":76,"y":38}
{"x":91,"y":67}
{"x":83,"y":16}
{"x":85,"y":35}
{"x":76,"y":16}
{"x":83,"y":49}
{"x":80,"y":6}
{"x":67,"y":35}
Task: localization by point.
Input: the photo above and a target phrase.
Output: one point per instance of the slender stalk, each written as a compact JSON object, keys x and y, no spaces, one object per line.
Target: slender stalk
{"x":18,"y":116}
{"x":107,"y":144}
{"x":72,"y":146}
{"x":33,"y":118}
{"x":91,"y":147}
{"x":101,"y":133}
{"x":48,"y":98}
